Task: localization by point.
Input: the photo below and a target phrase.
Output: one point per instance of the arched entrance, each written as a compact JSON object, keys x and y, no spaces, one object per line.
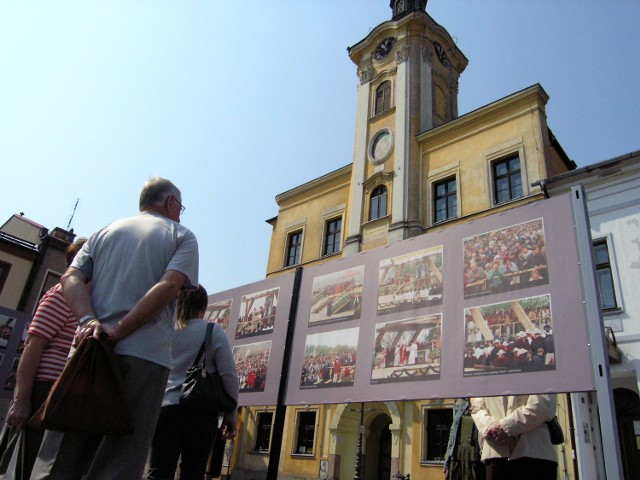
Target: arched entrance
{"x":381,"y":424}
{"x":377,"y":465}
{"x":628,"y":414}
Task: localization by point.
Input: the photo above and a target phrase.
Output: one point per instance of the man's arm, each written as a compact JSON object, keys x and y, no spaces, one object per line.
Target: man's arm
{"x":163,"y":292}
{"x":538,"y":410}
{"x":482,"y":418}
{"x":76,"y":293}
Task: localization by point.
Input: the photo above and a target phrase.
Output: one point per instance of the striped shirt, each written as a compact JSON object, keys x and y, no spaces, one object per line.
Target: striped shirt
{"x":54,"y":322}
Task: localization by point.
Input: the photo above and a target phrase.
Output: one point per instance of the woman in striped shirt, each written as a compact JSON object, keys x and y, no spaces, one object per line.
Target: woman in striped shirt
{"x":45,"y":354}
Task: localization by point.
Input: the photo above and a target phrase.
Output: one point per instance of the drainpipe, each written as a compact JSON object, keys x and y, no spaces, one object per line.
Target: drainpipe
{"x":543,"y":186}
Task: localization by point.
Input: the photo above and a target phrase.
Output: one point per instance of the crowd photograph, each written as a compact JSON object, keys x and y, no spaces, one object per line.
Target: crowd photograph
{"x":410,"y":281}
{"x":219,"y":313}
{"x":337,"y":296}
{"x":257,"y":313}
{"x":407,"y":350}
{"x":509,"y":337}
{"x":507,"y":259}
{"x":330,"y":359}
{"x":251,"y":363}
{"x":6,"y":328}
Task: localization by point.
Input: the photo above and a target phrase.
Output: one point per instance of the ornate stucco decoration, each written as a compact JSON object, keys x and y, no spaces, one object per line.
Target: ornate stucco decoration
{"x":402,"y":53}
{"x":427,"y":54}
{"x":365,"y":73}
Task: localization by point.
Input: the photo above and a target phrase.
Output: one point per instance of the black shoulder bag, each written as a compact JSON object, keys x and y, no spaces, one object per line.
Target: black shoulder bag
{"x":555,"y":431}
{"x":204,"y":391}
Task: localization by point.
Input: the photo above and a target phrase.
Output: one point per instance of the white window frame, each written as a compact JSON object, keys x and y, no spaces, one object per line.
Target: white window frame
{"x":325,"y":223}
{"x":503,"y":152}
{"x":257,"y":426}
{"x":607,"y":238}
{"x":423,"y":431}
{"x":294,"y":445}
{"x":300,"y":227}
{"x":437,"y":177}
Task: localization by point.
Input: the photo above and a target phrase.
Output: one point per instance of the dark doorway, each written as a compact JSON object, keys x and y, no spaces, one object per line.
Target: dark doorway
{"x":378,"y":449}
{"x":628,"y":414}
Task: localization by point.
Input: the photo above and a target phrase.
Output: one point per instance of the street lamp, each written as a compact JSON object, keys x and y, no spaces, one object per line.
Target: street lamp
{"x":356,"y":475}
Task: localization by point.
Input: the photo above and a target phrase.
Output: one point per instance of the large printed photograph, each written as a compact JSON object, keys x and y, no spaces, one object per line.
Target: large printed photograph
{"x":330,"y":359}
{"x":6,"y":329}
{"x":219,"y":313}
{"x":337,"y":296}
{"x":257,"y":313}
{"x":509,"y":337}
{"x":410,"y":281}
{"x":507,"y":259}
{"x":251,"y":364}
{"x":10,"y":382}
{"x":407,"y":350}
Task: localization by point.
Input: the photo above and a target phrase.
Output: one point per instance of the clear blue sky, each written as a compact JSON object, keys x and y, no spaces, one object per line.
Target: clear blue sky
{"x":239,"y":101}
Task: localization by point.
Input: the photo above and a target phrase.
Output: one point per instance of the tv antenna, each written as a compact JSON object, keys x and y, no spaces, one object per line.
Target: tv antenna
{"x":73,"y":213}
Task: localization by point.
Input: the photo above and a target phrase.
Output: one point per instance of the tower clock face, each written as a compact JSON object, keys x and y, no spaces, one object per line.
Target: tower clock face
{"x":384,"y":48}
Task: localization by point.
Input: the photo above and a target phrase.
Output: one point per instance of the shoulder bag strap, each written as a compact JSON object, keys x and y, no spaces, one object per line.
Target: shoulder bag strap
{"x":203,"y":347}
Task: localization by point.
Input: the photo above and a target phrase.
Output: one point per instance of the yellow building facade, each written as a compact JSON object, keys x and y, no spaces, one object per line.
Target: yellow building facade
{"x":418,"y":167}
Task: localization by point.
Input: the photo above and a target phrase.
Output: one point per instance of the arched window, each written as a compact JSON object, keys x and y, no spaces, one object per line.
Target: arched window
{"x":383,"y":98}
{"x":378,"y":203}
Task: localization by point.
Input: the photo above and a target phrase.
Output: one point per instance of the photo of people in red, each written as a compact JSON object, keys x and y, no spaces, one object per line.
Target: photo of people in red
{"x":407,"y":350}
{"x":509,"y":337}
{"x":410,"y":281}
{"x":251,"y":364}
{"x":508,"y":259}
{"x":257,"y":313}
{"x":337,"y":296}
{"x":219,"y":313}
{"x":330,"y":359}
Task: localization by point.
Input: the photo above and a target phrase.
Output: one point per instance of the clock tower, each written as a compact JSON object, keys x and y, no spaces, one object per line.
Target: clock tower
{"x":408,"y":70}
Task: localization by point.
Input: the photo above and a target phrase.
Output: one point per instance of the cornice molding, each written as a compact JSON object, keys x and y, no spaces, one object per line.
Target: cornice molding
{"x":336,"y":175}
{"x":499,"y":112}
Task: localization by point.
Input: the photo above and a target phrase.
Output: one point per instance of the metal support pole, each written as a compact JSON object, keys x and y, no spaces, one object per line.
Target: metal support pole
{"x":281,"y":409}
{"x":599,"y":357}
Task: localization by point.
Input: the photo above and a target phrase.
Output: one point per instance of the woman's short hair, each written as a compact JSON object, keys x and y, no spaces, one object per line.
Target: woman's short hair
{"x":156,"y":190}
{"x":190,"y":304}
{"x":73,"y":249}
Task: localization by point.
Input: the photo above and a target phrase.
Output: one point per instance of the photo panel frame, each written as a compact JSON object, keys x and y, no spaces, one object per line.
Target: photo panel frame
{"x":543,"y":227}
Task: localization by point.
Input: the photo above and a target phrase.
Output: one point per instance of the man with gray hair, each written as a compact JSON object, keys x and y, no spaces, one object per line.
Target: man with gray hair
{"x":137,"y":266}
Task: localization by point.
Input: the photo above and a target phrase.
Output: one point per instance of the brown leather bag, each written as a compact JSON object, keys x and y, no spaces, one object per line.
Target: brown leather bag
{"x":89,"y":396}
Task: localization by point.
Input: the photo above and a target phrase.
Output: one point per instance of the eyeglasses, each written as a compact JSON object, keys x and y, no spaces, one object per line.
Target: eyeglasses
{"x":182,"y":207}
